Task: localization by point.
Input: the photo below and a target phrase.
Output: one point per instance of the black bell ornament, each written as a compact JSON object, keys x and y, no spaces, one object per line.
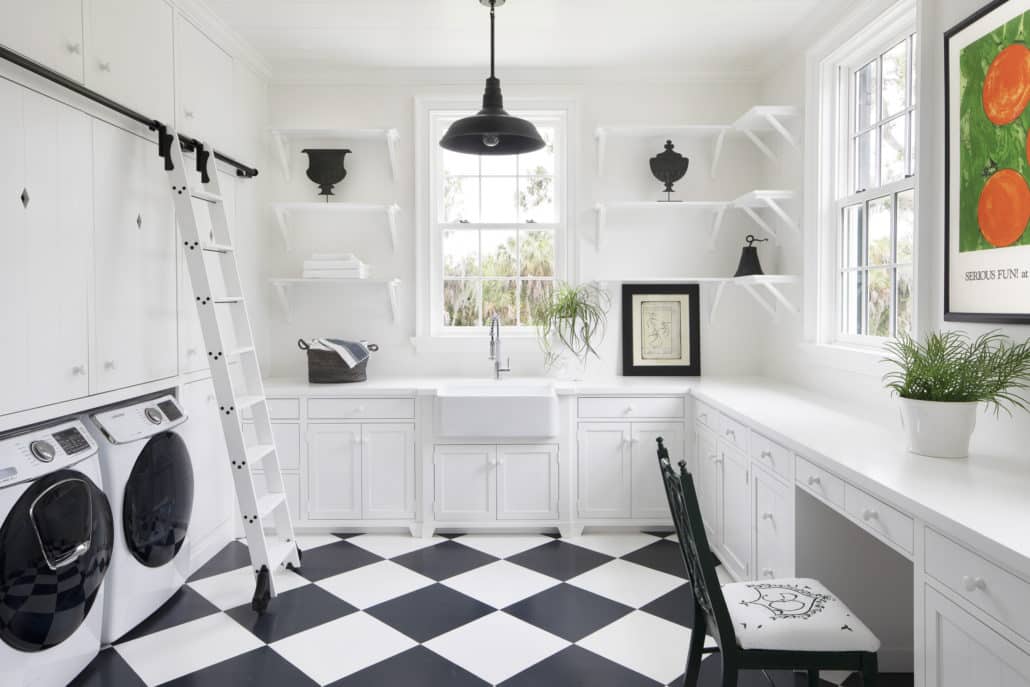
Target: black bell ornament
{"x":749,"y":264}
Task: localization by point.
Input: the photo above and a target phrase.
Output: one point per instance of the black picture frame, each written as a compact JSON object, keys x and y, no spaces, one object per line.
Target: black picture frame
{"x":949,"y":314}
{"x":692,"y":367}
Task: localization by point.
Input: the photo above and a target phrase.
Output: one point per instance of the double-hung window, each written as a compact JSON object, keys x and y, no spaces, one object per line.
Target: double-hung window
{"x":497,"y":227}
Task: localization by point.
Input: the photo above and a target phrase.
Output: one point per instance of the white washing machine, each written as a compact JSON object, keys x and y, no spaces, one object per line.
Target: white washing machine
{"x":55,"y":548}
{"x":148,"y":477}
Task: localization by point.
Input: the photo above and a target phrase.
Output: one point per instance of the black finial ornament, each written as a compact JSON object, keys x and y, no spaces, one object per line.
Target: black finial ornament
{"x":669,"y":167}
{"x":325,"y":168}
{"x":749,"y":264}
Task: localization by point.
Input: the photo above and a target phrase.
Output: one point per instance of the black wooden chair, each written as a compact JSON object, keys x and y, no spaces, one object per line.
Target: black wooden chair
{"x":781,"y":624}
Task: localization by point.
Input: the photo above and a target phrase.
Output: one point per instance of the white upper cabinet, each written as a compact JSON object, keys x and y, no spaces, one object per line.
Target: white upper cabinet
{"x":204,"y":87}
{"x":129,"y":54}
{"x":45,"y":250}
{"x":135,"y":338}
{"x":46,"y":31}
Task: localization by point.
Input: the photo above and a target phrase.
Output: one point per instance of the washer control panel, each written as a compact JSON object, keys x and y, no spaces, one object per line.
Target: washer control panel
{"x":139,"y":420}
{"x":34,"y":453}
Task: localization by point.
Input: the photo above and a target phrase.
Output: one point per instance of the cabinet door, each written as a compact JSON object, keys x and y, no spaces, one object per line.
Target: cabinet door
{"x":388,"y":470}
{"x":527,"y":482}
{"x":135,"y":337}
{"x":773,"y":526}
{"x":213,"y":496}
{"x":709,"y":484}
{"x":605,"y":470}
{"x":649,"y":499}
{"x":334,"y":472}
{"x":962,"y":651}
{"x":736,"y":510}
{"x":465,"y":484}
{"x":129,"y":54}
{"x":46,"y":31}
{"x":203,"y":77}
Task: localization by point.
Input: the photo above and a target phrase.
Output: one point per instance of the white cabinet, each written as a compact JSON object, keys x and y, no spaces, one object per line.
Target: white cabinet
{"x":129,"y":54}
{"x":649,"y":499}
{"x":204,"y":86}
{"x":736,"y":511}
{"x":334,"y":472}
{"x":134,"y":251}
{"x":605,"y":469}
{"x":465,"y":483}
{"x":46,"y":31}
{"x":484,"y":483}
{"x":708,"y":482}
{"x":773,"y":509}
{"x":962,"y":651}
{"x":45,"y":249}
{"x":388,"y":471}
{"x":527,"y":482}
{"x":213,"y":494}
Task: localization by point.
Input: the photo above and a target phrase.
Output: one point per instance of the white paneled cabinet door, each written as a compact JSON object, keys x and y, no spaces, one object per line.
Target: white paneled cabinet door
{"x":388,"y":471}
{"x":649,"y":499}
{"x":135,"y":333}
{"x":736,"y":510}
{"x":962,"y":651}
{"x":203,"y":77}
{"x":46,"y":31}
{"x":605,"y":469}
{"x":334,"y":472}
{"x":773,"y":526}
{"x":45,"y":218}
{"x":708,"y":483}
{"x":213,"y":496}
{"x":465,"y":483}
{"x":129,"y":54}
{"x":527,"y":482}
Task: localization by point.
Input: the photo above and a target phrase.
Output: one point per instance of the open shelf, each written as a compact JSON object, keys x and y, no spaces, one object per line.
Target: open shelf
{"x":757,"y":120}
{"x":282,"y":138}
{"x":750,"y":203}
{"x":283,"y":212}
{"x":285,"y":285}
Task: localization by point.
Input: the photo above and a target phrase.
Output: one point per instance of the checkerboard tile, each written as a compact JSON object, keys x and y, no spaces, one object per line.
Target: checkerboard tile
{"x":451,"y":611}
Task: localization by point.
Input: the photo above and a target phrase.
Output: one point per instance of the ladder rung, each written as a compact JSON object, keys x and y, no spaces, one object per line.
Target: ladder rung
{"x":227,"y":300}
{"x":267,"y":504}
{"x":217,"y":248}
{"x":205,"y":196}
{"x":279,"y":551}
{"x":247,"y":402}
{"x":257,"y":453}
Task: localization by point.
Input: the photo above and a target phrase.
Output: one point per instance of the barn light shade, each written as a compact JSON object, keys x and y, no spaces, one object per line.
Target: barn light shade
{"x":492,"y":131}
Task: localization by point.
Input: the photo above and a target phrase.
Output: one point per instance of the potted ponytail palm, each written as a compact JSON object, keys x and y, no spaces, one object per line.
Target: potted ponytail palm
{"x":942,"y":381}
{"x":570,"y":324}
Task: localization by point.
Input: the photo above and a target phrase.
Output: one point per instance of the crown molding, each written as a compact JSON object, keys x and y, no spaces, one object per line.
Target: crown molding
{"x":206,"y":19}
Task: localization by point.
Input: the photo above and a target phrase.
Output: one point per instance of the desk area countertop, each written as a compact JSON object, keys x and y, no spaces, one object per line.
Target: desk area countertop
{"x":430,"y":386}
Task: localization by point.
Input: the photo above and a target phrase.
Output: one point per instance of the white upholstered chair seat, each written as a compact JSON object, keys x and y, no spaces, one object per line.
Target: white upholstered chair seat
{"x":794,"y":614}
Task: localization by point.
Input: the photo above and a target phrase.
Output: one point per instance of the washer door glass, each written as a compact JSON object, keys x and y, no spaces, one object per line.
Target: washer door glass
{"x":158,"y":500}
{"x":55,"y":547}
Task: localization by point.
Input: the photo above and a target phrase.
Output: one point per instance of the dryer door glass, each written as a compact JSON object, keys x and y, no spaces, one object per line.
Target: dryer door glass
{"x":55,"y":546}
{"x":158,"y":500}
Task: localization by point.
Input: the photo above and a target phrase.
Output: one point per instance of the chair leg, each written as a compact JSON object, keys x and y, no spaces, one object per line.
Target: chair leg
{"x":729,"y":674}
{"x":697,"y":643}
{"x":813,"y":678}
{"x":870,"y":669}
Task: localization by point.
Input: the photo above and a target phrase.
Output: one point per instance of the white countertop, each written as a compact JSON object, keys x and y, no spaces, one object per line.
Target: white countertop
{"x":427,"y":386}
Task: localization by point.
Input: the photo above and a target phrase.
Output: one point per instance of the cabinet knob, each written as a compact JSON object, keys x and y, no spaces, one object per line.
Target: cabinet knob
{"x":767,"y":455}
{"x":79,"y":370}
{"x":188,"y":113}
{"x":104,"y":66}
{"x":109,"y":365}
{"x":767,"y":572}
{"x":767,"y":516}
{"x":718,"y":459}
{"x":493,"y":461}
{"x":869,"y":514}
{"x":973,"y":584}
{"x":629,"y":409}
{"x":360,"y":410}
{"x":812,"y":481}
{"x":732,"y":434}
{"x":73,"y":48}
{"x":191,"y":352}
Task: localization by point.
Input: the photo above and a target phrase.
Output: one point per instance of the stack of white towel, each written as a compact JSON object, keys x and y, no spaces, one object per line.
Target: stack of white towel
{"x":335,"y":266}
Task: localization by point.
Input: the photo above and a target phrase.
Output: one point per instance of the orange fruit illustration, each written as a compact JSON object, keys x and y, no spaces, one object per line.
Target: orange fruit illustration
{"x":1007,"y":85}
{"x":1004,"y":208}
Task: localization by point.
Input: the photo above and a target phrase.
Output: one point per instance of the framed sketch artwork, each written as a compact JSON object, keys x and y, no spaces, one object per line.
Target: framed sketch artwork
{"x":661,"y":329}
{"x":987,"y":194}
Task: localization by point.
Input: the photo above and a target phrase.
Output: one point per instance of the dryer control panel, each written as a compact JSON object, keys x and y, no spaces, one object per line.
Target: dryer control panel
{"x":32,"y":454}
{"x":139,"y":420}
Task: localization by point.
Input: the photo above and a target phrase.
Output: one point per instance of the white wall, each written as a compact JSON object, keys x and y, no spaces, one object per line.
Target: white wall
{"x":643,"y":244}
{"x":857,"y":378}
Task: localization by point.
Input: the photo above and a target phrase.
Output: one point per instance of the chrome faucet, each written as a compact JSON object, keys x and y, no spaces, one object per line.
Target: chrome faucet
{"x":495,"y":347}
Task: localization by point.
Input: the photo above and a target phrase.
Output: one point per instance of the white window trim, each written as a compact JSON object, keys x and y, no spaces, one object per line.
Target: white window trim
{"x":874,"y":24}
{"x":429,"y":337}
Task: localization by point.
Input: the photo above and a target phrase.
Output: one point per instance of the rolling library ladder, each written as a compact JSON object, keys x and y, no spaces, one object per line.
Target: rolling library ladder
{"x":218,"y":292}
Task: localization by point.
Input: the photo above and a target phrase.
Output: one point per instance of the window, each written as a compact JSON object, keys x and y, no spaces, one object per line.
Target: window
{"x":498,"y":226}
{"x":875,"y":203}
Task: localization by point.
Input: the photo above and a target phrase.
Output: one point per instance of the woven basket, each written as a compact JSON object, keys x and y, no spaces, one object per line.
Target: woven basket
{"x":326,"y":367}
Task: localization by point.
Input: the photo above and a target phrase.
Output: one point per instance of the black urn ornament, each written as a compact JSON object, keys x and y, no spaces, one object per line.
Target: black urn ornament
{"x":669,"y":167}
{"x":325,"y":168}
{"x":749,"y":264}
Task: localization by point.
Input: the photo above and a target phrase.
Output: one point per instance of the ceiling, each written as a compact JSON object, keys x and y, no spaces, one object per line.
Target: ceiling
{"x":722,"y":37}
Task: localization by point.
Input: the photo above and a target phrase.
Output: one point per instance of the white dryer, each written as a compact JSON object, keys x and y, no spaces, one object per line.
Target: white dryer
{"x":56,"y":541}
{"x":148,"y":477}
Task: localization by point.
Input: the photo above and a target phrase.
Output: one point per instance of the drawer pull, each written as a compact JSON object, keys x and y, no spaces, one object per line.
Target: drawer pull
{"x":79,"y":370}
{"x":767,"y":516}
{"x":717,"y":459}
{"x":629,"y":409}
{"x":73,"y":48}
{"x":768,"y":572}
{"x":104,"y":66}
{"x":360,"y":410}
{"x":732,"y":434}
{"x":812,"y":481}
{"x":869,"y":514}
{"x":973,"y":584}
{"x":767,"y":455}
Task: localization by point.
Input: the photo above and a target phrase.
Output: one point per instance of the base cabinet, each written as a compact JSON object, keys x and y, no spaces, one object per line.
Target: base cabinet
{"x":709,"y":488}
{"x":334,"y":472}
{"x":527,"y":482}
{"x":388,"y":471}
{"x":479,"y":483}
{"x":736,"y":510}
{"x":772,"y":507}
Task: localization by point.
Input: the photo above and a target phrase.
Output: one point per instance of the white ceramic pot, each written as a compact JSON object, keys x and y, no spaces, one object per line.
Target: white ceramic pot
{"x":938,"y":430}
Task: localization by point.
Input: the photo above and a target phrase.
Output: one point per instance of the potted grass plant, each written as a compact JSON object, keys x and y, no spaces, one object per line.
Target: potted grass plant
{"x":571,"y":323}
{"x":943,"y":380}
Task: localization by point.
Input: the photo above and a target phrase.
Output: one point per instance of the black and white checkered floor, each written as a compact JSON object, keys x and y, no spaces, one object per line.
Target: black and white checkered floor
{"x":376,"y":610}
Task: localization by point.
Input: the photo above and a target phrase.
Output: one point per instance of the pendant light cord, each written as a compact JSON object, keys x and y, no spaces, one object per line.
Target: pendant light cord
{"x":492,"y":2}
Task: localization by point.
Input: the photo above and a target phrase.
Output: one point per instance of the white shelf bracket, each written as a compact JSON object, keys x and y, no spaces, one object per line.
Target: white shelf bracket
{"x":716,"y":300}
{"x":782,"y":130}
{"x":392,"y":287}
{"x":717,"y":152}
{"x":760,"y":144}
{"x":779,"y":296}
{"x":720,"y":215}
{"x":783,"y":214}
{"x":760,"y":222}
{"x":283,"y":151}
{"x":282,"y":219}
{"x":391,"y":217}
{"x":392,"y":137}
{"x":601,"y":136}
{"x":769,"y":307}
{"x":602,"y":220}
{"x":282,"y":294}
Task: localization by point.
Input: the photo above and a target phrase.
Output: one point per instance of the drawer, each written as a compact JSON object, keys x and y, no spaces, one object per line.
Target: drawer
{"x":772,"y":456}
{"x":733,"y":432}
{"x":876,"y":516}
{"x":626,"y":408}
{"x":819,"y":482}
{"x":361,"y":408}
{"x":287,"y":441}
{"x":706,"y":416}
{"x":996,"y":592}
{"x":279,"y":409}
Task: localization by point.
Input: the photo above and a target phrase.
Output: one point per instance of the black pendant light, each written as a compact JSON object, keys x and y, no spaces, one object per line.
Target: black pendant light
{"x":492,"y":131}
